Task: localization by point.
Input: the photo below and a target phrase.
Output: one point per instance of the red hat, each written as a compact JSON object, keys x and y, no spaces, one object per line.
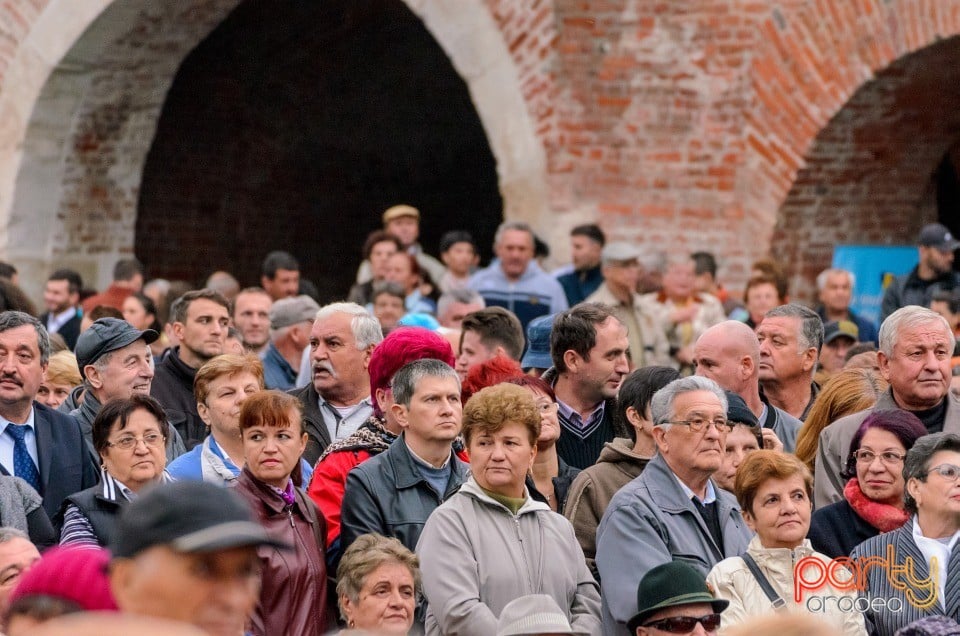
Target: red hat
{"x":70,"y":573}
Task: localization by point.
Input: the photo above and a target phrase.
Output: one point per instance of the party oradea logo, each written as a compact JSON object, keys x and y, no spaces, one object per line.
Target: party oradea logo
{"x":842,"y":584}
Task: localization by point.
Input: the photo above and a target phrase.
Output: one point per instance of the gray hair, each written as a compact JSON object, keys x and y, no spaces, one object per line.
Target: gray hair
{"x":917,"y":463}
{"x":389,"y":288}
{"x":13,"y":319}
{"x":367,"y":553}
{"x":462,"y":296}
{"x":827,"y":273}
{"x":811,"y":326}
{"x":405,"y":381}
{"x":907,"y":318}
{"x":9,"y":533}
{"x":513,"y":225}
{"x":661,"y":406}
{"x":365,"y":327}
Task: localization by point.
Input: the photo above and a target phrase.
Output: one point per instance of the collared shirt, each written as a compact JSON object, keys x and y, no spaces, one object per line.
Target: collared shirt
{"x":572,"y":421}
{"x":7,"y":443}
{"x":55,"y":322}
{"x":710,"y":497}
{"x":935,"y":548}
{"x":342,"y":422}
{"x":425,"y":463}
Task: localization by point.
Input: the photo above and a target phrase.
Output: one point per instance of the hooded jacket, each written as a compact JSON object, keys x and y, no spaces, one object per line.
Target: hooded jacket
{"x":476,"y":556}
{"x":593,"y":489}
{"x":732,"y":580}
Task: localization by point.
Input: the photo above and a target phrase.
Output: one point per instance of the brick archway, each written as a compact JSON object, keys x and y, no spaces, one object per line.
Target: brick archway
{"x":849,"y":123}
{"x":83,"y":91}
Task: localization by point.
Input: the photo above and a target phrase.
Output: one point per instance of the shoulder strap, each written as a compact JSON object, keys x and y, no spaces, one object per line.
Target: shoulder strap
{"x":778,"y":603}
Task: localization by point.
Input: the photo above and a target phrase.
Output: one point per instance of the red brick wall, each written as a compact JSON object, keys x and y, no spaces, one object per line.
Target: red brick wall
{"x":740,"y":126}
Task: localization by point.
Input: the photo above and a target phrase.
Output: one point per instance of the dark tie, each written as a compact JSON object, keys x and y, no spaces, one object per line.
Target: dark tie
{"x":23,"y":466}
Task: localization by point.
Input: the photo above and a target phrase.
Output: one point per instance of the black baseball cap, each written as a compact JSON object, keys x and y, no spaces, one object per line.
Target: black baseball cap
{"x":938,"y":236}
{"x":106,"y":335}
{"x":188,"y":516}
{"x":738,"y":412}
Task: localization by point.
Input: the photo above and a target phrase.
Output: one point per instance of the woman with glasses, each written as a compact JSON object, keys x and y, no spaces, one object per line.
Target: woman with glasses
{"x":550,"y":476}
{"x":130,"y":435}
{"x":873,"y":497}
{"x":775,"y":493}
{"x":491,"y":542}
{"x":920,"y":573}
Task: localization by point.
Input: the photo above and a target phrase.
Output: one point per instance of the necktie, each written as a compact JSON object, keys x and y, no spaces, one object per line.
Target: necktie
{"x":23,"y":466}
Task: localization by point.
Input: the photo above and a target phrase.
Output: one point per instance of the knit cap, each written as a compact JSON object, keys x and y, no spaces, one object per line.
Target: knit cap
{"x":73,"y":574}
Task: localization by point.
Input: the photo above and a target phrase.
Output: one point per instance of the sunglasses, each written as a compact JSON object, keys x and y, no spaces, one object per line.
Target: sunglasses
{"x":686,"y":624}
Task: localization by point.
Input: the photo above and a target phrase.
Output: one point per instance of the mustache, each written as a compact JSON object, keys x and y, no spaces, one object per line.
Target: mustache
{"x":324,"y":366}
{"x":13,"y":377}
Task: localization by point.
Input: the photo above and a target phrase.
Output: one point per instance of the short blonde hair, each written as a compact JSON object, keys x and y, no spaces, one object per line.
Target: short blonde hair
{"x":62,"y":369}
{"x":366,"y":554}
{"x":226,"y":364}
{"x":493,"y":407}
{"x":762,"y":465}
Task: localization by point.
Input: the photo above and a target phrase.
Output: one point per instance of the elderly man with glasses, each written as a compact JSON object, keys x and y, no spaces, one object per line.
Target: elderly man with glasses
{"x":672,"y":511}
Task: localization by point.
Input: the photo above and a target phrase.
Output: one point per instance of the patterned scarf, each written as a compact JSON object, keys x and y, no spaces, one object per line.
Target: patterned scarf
{"x":372,"y":436}
{"x":881,"y":516}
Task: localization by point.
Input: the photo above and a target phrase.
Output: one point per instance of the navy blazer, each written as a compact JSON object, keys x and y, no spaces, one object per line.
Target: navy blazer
{"x":66,"y":466}
{"x":70,"y":330}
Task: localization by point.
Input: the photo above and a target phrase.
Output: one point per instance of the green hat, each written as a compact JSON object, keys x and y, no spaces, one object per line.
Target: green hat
{"x":668,"y":585}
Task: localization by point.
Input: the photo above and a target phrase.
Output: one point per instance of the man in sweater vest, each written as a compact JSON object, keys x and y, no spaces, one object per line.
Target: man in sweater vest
{"x":589,"y":347}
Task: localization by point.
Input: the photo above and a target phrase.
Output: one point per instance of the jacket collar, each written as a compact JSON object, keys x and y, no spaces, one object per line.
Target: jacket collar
{"x":179,"y":367}
{"x":312,"y":417}
{"x":405,"y":468}
{"x":265,"y":494}
{"x":472,"y":488}
{"x":777,"y":558}
{"x":667,"y":495}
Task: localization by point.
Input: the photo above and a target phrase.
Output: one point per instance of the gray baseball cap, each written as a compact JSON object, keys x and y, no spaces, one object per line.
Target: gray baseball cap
{"x":106,"y":335}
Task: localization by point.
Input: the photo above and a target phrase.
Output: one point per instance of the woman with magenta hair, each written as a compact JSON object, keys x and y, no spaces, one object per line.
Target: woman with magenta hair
{"x":873,"y":499}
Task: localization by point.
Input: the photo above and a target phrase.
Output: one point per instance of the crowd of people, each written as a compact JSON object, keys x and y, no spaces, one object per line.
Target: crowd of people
{"x":619,"y":447}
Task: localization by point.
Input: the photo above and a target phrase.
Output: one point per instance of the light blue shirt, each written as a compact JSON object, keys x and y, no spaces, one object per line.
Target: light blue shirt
{"x":6,"y":442}
{"x":711,"y":493}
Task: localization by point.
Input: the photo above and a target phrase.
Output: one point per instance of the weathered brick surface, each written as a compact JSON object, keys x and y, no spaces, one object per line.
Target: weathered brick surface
{"x":741,"y":126}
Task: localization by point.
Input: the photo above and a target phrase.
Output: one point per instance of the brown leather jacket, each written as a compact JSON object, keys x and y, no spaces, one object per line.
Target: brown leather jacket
{"x":293,"y":599}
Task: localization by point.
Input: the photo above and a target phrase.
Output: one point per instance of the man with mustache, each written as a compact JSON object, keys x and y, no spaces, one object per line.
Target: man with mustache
{"x":41,"y":446}
{"x":337,"y":401}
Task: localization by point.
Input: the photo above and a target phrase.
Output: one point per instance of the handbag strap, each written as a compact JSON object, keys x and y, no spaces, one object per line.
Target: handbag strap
{"x":778,"y":603}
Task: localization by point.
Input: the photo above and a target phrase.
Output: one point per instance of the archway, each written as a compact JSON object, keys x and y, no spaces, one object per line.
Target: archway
{"x":294,"y":130}
{"x":870,"y":174}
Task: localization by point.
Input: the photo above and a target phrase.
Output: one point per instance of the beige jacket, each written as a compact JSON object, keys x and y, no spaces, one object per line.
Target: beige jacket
{"x":648,"y":341}
{"x":731,"y":580}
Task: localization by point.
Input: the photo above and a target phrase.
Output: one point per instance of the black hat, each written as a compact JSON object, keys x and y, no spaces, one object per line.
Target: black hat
{"x":938,"y":236}
{"x":668,"y":585}
{"x":738,"y":412}
{"x":840,"y":329}
{"x":188,"y":516}
{"x":106,"y":335}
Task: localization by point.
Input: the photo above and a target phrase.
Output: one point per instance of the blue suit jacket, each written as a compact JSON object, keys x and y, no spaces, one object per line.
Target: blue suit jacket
{"x":66,"y":465}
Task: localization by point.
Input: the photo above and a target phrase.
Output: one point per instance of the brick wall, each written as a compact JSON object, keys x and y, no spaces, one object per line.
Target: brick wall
{"x":741,"y":126}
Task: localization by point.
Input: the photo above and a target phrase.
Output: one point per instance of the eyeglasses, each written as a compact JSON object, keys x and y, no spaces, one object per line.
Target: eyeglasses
{"x":547,"y":407}
{"x":948,"y":471}
{"x":697,"y":424}
{"x":150,"y":440}
{"x":889,"y":458}
{"x":686,"y":624}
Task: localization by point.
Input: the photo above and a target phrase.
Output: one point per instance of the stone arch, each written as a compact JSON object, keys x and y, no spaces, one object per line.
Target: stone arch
{"x":94,"y":76}
{"x":836,"y":86}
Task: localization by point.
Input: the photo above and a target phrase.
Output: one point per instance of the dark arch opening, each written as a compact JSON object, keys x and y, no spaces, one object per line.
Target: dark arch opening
{"x":293,"y":125}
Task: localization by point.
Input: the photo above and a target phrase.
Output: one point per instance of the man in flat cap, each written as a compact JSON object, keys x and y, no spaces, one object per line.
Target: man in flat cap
{"x":290,"y":322}
{"x":621,"y":273}
{"x":932,"y":274}
{"x":403,"y":221}
{"x":187,"y":551}
{"x":115,"y":361}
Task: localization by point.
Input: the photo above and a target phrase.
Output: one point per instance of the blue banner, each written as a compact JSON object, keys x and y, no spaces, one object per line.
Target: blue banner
{"x":874,"y":266}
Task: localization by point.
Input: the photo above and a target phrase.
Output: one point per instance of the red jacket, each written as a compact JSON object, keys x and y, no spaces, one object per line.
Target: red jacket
{"x":329,"y":481}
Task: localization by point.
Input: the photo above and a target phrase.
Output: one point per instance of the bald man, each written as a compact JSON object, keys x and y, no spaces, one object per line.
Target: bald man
{"x":729,"y":353}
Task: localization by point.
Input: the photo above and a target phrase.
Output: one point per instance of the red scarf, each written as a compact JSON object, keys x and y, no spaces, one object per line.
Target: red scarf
{"x":881,"y":516}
